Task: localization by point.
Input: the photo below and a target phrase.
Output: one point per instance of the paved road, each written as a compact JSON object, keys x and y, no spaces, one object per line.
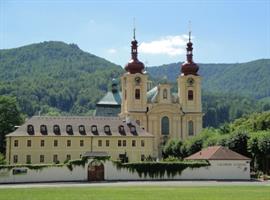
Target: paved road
{"x":137,"y":183}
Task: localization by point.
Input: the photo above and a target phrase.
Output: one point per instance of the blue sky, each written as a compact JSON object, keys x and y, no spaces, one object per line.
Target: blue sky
{"x":223,"y":31}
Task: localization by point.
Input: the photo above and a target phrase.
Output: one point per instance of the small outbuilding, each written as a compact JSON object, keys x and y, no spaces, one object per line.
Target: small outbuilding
{"x":225,"y":163}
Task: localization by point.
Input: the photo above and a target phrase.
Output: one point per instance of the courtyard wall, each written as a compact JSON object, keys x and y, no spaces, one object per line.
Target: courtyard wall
{"x":218,"y":170}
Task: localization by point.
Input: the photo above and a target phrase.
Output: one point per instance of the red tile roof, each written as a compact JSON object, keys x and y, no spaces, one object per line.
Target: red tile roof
{"x":217,"y":153}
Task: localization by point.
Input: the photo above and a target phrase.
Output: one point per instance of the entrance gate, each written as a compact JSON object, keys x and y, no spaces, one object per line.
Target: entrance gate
{"x":95,"y":171}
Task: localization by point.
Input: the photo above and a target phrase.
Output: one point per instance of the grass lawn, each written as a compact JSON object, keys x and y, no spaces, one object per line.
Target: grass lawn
{"x":137,"y":193}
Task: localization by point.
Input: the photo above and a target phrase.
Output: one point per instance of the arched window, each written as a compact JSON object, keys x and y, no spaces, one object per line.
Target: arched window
{"x":190,"y":128}
{"x":190,"y":95}
{"x":165,"y":94}
{"x":165,"y":126}
{"x":137,"y":94}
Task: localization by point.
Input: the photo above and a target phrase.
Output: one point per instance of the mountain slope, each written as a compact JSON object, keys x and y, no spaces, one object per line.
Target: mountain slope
{"x":54,"y":76}
{"x":59,"y":78}
{"x":249,"y":79}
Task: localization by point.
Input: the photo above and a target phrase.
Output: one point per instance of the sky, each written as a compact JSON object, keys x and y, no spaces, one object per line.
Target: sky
{"x":222,"y":31}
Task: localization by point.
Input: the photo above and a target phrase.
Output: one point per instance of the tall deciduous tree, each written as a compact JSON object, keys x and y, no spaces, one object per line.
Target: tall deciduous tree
{"x":2,"y":159}
{"x":238,"y":143}
{"x":10,"y":116}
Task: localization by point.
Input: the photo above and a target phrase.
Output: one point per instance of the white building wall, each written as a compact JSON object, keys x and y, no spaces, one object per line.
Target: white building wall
{"x":45,"y":175}
{"x":219,"y":170}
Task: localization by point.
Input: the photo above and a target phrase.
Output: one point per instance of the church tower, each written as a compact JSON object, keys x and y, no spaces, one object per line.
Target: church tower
{"x":134,"y":88}
{"x":189,"y":94}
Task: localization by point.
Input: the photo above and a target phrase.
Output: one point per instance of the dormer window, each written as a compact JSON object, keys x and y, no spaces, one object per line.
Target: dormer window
{"x":121,"y":130}
{"x":43,"y":129}
{"x":69,"y":130}
{"x":107,"y":129}
{"x":82,"y":129}
{"x":30,"y":129}
{"x":56,"y":129}
{"x":133,"y":130}
{"x":94,"y":129}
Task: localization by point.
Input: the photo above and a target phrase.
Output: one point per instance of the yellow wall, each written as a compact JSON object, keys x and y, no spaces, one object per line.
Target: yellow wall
{"x":129,"y":85}
{"x":183,"y":87}
{"x":133,"y":153}
{"x":179,"y":111}
{"x":75,"y":150}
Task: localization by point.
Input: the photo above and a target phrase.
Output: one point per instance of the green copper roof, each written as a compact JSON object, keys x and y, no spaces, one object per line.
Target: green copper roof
{"x":107,"y":110}
{"x":116,"y":98}
{"x":110,"y":104}
{"x":111,"y":98}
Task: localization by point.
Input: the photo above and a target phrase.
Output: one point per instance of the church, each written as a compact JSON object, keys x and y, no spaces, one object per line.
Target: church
{"x":132,"y":124}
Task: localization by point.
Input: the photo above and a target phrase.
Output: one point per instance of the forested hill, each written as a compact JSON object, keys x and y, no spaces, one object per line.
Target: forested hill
{"x":58,"y":78}
{"x":249,"y":79}
{"x":54,"y":77}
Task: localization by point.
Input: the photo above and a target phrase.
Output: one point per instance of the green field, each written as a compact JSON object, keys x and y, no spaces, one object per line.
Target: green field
{"x":137,"y":193}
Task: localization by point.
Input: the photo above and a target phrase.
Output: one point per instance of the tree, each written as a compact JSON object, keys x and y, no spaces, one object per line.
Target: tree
{"x":177,"y":149}
{"x":191,"y":146}
{"x":264,"y":143}
{"x":168,"y":148}
{"x":10,"y":117}
{"x":173,"y":148}
{"x":254,"y":150}
{"x":238,"y":143}
{"x":2,"y":159}
{"x":264,"y":147}
{"x":259,"y":147}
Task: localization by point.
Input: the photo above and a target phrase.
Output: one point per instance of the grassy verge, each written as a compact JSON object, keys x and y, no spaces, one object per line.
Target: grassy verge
{"x":137,"y":193}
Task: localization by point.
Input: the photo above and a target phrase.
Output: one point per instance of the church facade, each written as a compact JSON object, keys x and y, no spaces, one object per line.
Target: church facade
{"x":164,"y":114}
{"x":132,"y":124}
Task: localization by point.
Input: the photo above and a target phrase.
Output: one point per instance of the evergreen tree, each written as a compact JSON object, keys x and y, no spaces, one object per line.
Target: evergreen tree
{"x":10,"y":117}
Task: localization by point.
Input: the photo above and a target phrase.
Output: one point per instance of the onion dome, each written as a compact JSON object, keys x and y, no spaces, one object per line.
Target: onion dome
{"x":134,"y":65}
{"x":189,"y":67}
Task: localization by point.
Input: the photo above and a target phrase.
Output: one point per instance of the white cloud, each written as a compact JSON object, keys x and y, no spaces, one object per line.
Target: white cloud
{"x":168,"y":45}
{"x":112,"y":51}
